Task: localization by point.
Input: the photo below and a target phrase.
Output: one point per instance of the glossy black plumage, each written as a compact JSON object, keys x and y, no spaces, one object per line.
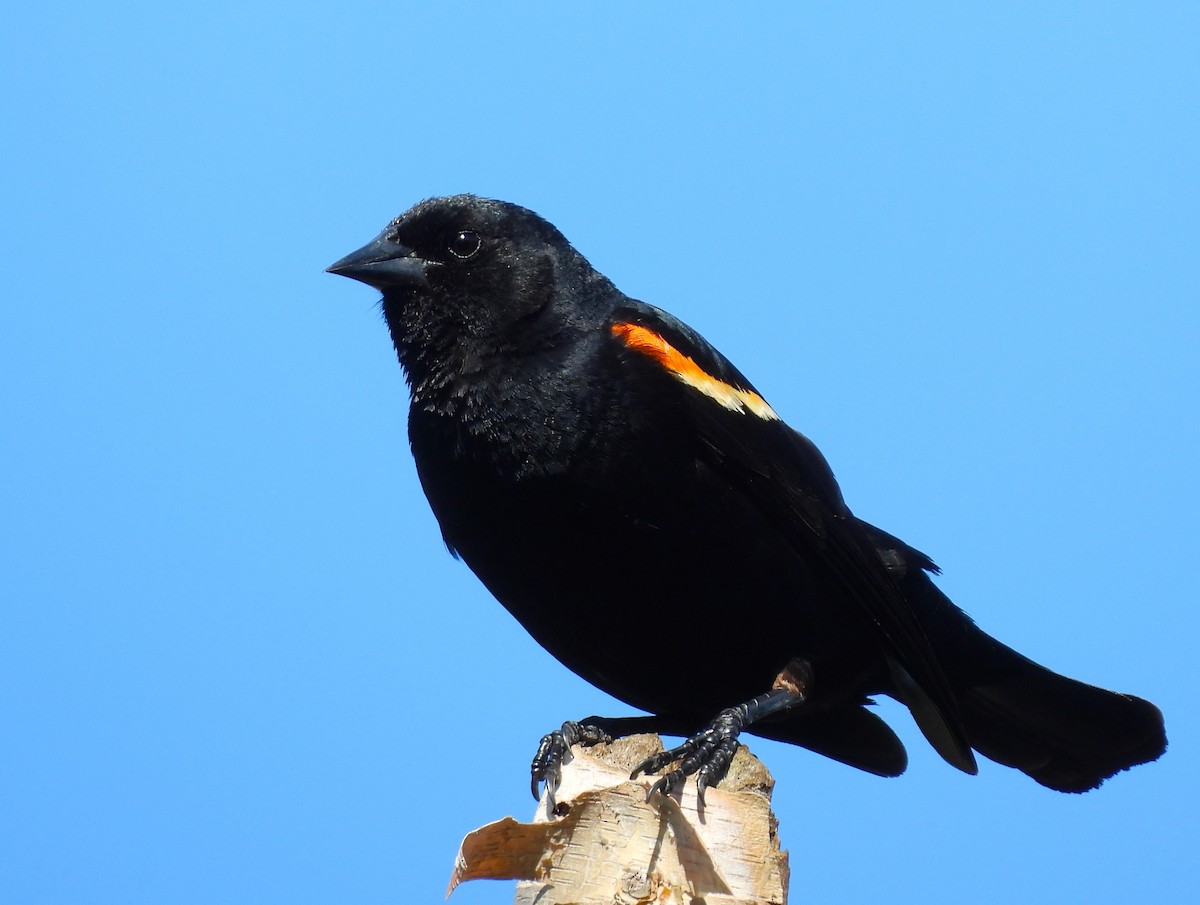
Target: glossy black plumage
{"x":629,"y":497}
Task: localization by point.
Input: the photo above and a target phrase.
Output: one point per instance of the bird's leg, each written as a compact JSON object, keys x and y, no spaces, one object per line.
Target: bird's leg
{"x":708,"y":753}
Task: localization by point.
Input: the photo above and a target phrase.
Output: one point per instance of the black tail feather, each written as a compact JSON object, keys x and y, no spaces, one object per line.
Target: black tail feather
{"x":1065,"y":734}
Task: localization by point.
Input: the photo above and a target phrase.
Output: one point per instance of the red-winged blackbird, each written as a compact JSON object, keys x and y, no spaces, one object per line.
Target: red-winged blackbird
{"x":635,"y":503}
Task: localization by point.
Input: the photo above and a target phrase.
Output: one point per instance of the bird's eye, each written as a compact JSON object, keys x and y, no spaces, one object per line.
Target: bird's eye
{"x":464,"y":244}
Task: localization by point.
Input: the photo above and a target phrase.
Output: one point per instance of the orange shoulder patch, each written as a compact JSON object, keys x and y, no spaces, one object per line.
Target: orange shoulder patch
{"x":646,"y":341}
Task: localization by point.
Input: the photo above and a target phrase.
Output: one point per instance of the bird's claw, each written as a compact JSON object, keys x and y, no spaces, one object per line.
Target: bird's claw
{"x":554,"y":750}
{"x":706,"y":754}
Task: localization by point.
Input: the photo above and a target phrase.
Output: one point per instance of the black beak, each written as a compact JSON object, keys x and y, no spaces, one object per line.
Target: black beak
{"x":383,"y":264}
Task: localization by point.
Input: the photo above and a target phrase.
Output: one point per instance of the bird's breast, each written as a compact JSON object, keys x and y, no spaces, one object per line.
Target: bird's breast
{"x":619,"y":541}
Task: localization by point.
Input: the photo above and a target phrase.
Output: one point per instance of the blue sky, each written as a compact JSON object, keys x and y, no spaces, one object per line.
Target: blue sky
{"x":955,"y":245}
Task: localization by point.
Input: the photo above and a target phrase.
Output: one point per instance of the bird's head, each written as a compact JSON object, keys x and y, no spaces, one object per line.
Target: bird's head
{"x":464,"y":278}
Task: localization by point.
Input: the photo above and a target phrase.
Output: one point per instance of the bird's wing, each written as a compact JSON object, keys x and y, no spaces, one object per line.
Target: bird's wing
{"x":783,"y":474}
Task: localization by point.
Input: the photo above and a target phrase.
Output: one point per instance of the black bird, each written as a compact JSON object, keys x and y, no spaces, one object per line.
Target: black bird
{"x":637,"y":505}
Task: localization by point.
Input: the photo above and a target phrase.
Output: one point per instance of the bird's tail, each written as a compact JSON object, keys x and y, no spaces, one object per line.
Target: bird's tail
{"x":1065,"y":734}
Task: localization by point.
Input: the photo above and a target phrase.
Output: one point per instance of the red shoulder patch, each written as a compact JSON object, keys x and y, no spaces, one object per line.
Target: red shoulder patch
{"x":684,"y":368}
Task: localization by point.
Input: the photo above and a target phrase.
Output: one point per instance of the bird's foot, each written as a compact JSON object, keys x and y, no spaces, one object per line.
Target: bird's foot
{"x":706,"y":754}
{"x":554,"y":750}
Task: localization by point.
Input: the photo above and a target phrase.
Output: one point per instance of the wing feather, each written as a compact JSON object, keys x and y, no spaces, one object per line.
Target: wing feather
{"x":784,"y":475}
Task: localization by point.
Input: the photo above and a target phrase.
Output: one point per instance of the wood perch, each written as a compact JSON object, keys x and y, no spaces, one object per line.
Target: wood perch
{"x":604,"y":844}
